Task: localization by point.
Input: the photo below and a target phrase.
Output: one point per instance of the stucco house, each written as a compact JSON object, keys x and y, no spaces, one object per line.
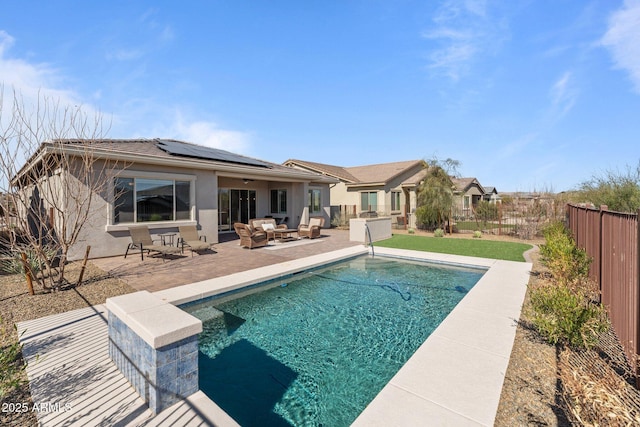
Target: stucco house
{"x":491,"y":195}
{"x":468,"y":192}
{"x":165,"y":183}
{"x":387,"y":189}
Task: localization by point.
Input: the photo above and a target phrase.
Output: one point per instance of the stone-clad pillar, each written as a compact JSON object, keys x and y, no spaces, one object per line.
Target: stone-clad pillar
{"x":155,"y":345}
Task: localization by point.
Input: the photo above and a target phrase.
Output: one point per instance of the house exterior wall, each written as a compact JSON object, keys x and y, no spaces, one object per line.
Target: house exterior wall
{"x":109,"y":239}
{"x":474,"y":195}
{"x":343,"y":195}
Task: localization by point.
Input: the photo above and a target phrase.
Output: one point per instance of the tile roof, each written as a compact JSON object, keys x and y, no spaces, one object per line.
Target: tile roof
{"x":368,"y":174}
{"x":463,"y":184}
{"x":382,"y":172}
{"x":334,"y":171}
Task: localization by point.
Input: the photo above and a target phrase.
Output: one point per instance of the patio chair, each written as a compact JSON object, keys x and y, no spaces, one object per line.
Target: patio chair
{"x":311,"y":230}
{"x":141,"y":239}
{"x":249,"y":237}
{"x":189,"y":237}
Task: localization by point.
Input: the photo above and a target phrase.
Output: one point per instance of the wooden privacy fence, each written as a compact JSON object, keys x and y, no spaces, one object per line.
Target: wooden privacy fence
{"x":611,"y":239}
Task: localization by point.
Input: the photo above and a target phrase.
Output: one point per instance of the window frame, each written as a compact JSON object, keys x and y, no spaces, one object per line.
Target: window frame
{"x":135,"y":175}
{"x":310,"y":200}
{"x":281,"y":201}
{"x":369,"y":205}
{"x":396,"y":198}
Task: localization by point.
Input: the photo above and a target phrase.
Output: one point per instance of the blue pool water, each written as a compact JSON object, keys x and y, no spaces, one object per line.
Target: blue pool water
{"x":316,"y":349}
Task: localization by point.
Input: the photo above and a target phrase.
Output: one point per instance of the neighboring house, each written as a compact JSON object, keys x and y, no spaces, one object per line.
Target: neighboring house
{"x":491,"y":195}
{"x":467,"y":193}
{"x":387,"y":189}
{"x":167,"y":183}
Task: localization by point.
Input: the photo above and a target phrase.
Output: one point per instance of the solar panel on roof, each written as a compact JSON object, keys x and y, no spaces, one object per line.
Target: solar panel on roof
{"x":178,"y":148}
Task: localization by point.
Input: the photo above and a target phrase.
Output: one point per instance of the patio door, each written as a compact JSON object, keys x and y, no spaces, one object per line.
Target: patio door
{"x":235,"y":206}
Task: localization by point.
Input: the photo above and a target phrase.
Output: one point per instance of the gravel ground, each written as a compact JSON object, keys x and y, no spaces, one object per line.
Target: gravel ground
{"x":17,"y":305}
{"x":531,"y":395}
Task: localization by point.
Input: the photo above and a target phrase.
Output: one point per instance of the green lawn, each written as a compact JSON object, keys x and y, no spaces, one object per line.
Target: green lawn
{"x":509,"y":251}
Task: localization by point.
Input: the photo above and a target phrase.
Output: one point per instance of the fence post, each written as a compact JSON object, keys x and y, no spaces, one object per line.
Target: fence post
{"x":603,"y":208}
{"x":637,"y":314}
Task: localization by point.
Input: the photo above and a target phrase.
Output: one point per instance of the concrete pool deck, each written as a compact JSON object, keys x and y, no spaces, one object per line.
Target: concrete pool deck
{"x":455,"y":377}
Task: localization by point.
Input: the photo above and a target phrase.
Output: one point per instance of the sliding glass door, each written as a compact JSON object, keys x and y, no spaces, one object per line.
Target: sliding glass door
{"x":235,"y":206}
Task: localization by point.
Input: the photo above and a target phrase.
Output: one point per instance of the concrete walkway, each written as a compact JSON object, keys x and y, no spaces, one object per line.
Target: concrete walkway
{"x":455,"y":378}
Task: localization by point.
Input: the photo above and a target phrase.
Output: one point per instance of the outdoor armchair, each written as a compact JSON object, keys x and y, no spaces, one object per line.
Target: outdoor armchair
{"x":250,"y":237}
{"x":311,"y":230}
{"x":141,"y":239}
{"x":189,"y":238}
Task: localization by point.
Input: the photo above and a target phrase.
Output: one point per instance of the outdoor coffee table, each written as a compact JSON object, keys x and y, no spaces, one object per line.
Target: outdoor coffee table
{"x":285,"y":234}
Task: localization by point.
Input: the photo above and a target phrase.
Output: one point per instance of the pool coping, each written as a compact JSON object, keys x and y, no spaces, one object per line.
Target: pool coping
{"x":464,"y":360}
{"x":474,"y":341}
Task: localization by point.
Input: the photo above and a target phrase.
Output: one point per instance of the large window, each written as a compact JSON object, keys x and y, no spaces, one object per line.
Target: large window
{"x":315,"y":205}
{"x":466,"y":202}
{"x":395,"y":200}
{"x":369,"y":201}
{"x":278,"y":201}
{"x":147,"y":200}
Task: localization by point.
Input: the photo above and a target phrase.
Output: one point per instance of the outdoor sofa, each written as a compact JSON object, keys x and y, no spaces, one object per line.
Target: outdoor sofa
{"x":268,"y":225}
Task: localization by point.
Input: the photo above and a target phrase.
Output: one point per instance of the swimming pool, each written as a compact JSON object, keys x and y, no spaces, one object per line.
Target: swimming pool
{"x":317,"y":348}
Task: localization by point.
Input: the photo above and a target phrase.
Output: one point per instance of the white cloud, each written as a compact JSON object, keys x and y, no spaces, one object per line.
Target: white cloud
{"x":563,"y":95}
{"x":210,"y":134}
{"x":463,"y":31}
{"x":36,"y":82}
{"x":6,"y":41}
{"x":33,"y":84}
{"x":623,"y":40}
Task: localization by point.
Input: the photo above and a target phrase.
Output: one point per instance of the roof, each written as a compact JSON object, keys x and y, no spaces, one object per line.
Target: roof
{"x":463,"y":184}
{"x":175,"y":153}
{"x":491,"y":190}
{"x":335,"y":171}
{"x":368,"y":174}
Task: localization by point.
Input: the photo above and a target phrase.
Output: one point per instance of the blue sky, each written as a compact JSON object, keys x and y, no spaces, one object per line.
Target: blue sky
{"x":526,"y":94}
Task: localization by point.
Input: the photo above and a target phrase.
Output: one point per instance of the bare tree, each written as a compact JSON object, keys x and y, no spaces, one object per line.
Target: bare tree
{"x":51,"y":175}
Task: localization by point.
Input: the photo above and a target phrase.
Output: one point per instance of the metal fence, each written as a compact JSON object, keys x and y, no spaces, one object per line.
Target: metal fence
{"x":611,"y":239}
{"x":522,"y":217}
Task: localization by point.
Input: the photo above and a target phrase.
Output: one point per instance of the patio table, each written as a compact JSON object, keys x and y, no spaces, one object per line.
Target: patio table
{"x":285,"y":234}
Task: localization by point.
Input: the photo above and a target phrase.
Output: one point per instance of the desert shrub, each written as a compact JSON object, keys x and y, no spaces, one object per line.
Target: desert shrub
{"x":10,"y":363}
{"x":567,"y":263}
{"x":486,"y":211}
{"x":341,"y":220}
{"x":14,"y":265}
{"x":566,"y":316}
{"x":565,"y":310}
{"x":438,"y":232}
